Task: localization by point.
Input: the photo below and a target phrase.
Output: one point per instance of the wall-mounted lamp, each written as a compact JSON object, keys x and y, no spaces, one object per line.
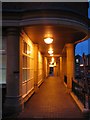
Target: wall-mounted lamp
{"x":48,"y":40}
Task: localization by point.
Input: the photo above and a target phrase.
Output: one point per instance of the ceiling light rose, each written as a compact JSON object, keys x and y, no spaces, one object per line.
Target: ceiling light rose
{"x":48,"y":40}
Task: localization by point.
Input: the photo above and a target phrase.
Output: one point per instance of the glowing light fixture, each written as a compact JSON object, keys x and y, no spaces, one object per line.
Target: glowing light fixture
{"x":81,"y":65}
{"x":48,"y":40}
{"x":51,"y":54}
{"x":52,"y":59}
{"x":50,"y":51}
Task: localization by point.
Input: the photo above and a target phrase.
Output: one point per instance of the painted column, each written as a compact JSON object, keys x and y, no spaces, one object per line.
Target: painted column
{"x":70,"y":65}
{"x":61,"y":76}
{"x":44,"y":68}
{"x":64,"y":67}
{"x":14,"y":100}
{"x":48,"y":68}
{"x":36,"y":67}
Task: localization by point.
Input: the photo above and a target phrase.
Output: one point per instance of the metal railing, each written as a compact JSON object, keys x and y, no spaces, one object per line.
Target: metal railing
{"x":83,"y":94}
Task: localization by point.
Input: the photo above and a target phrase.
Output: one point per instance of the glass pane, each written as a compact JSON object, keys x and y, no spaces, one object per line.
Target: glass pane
{"x":28,"y":50}
{"x":31,"y":74}
{"x":3,"y":75}
{"x":25,"y":47}
{"x":0,"y":61}
{"x":28,"y":62}
{"x":24,"y":61}
{"x":28,"y":74}
{"x":24,"y":74}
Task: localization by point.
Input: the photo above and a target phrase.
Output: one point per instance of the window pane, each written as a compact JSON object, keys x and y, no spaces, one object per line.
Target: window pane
{"x":28,"y":74}
{"x":24,"y":74}
{"x":24,"y":61}
{"x":3,"y":75}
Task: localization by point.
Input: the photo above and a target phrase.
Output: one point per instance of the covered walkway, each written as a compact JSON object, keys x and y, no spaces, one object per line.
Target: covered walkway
{"x":39,"y":38}
{"x":51,"y":101}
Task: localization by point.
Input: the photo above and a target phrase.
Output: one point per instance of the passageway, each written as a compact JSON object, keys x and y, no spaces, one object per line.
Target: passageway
{"x":39,"y":40}
{"x":51,"y":101}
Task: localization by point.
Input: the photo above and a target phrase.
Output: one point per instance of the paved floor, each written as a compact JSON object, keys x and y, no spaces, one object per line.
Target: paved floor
{"x":51,"y":101}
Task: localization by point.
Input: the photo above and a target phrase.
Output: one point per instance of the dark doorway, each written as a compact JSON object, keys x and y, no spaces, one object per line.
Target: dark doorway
{"x":51,"y":71}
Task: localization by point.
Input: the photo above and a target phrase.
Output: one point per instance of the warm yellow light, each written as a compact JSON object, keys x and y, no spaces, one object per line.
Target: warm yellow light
{"x":52,"y":59}
{"x":48,"y":40}
{"x":28,"y":52}
{"x":50,"y":51}
{"x":51,"y":54}
{"x":81,"y":65}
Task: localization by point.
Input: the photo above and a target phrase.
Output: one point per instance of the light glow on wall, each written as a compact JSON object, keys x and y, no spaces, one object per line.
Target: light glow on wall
{"x":28,"y":52}
{"x":52,"y":59}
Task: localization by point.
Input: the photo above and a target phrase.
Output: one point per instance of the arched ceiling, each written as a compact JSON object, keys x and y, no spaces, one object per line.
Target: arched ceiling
{"x":60,"y":34}
{"x":65,"y":22}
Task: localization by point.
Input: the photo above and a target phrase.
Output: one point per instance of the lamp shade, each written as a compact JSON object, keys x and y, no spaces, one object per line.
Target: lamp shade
{"x":48,"y":40}
{"x":50,"y":51}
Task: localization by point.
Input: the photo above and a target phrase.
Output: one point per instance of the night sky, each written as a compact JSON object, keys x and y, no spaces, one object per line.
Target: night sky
{"x":83,"y":47}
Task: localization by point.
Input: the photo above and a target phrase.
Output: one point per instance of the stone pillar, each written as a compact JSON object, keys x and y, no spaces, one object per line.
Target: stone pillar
{"x":64,"y":67}
{"x":48,"y":68}
{"x":61,"y":76}
{"x":54,"y":68}
{"x":44,"y":68}
{"x":13,"y":103}
{"x":70,"y":65}
{"x":36,"y":67}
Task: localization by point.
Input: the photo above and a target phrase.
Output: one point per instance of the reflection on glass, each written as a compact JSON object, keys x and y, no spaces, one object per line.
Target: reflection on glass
{"x":24,"y":61}
{"x":27,"y":62}
{"x":24,"y":74}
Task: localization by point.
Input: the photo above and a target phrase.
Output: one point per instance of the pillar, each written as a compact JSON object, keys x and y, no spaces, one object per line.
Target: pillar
{"x":70,"y":65}
{"x":14,"y":102}
{"x":48,"y":69}
{"x":61,"y":68}
{"x":64,"y":66}
{"x":43,"y":69}
{"x":36,"y":67}
{"x":54,"y":70}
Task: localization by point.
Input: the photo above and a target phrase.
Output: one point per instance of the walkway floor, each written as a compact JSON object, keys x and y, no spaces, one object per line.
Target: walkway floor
{"x":51,"y":101}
